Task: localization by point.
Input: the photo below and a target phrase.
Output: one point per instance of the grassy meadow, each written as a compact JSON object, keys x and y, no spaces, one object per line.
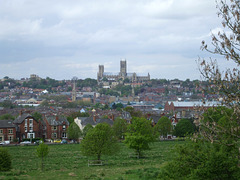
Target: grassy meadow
{"x":64,"y":161}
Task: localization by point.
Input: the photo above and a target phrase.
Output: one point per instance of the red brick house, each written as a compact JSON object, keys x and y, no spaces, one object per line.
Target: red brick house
{"x":56,"y":127}
{"x":28,"y":127}
{"x":7,"y":130}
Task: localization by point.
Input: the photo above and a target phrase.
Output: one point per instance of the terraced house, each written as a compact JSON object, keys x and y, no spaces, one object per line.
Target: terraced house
{"x":7,"y":131}
{"x":56,"y":127}
{"x":28,"y":127}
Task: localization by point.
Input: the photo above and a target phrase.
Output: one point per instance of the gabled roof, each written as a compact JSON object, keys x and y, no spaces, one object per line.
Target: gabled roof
{"x":7,"y":124}
{"x":21,"y":118}
{"x":53,"y":122}
{"x":89,"y":120}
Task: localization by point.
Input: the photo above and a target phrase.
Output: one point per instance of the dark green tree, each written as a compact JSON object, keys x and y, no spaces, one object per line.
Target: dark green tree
{"x":86,"y":129}
{"x":139,"y":135}
{"x":74,"y":132}
{"x":184,"y":127}
{"x":99,"y":141}
{"x":120,"y":128}
{"x":37,"y":116}
{"x":5,"y":160}
{"x":163,"y":127}
{"x":7,"y":117}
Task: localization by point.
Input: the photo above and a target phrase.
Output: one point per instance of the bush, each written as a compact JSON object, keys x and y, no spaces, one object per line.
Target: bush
{"x":5,"y":160}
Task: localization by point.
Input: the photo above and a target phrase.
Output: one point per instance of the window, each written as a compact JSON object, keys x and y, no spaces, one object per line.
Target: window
{"x":30,"y":122}
{"x":64,"y":135}
{"x":64,"y":127}
{"x":54,"y":135}
{"x":25,"y":122}
{"x":1,"y":131}
{"x":25,"y":128}
{"x":10,"y":131}
{"x":10,"y":138}
{"x":30,"y":128}
{"x":54,"y":128}
{"x":1,"y":138}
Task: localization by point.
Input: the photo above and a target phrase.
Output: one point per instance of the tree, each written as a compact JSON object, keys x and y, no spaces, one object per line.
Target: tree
{"x":202,"y":160}
{"x":5,"y":160}
{"x":37,"y":116}
{"x":184,"y":127}
{"x":86,"y":129}
{"x":213,"y":153}
{"x":139,"y":135}
{"x":225,"y":83}
{"x":42,"y":151}
{"x":7,"y":117}
{"x":163,"y":127}
{"x":99,"y":141}
{"x":120,"y":128}
{"x":74,"y":132}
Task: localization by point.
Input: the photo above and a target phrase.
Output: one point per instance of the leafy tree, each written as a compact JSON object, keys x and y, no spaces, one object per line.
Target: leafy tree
{"x":184,"y":127}
{"x":37,"y":116}
{"x":99,"y":141}
{"x":201,"y":160}
{"x":224,"y":83}
{"x":120,"y":128}
{"x":42,"y":151}
{"x":139,"y":135}
{"x":163,"y":127}
{"x":7,"y":117}
{"x":5,"y":160}
{"x":213,"y":153}
{"x":74,"y":132}
{"x":86,"y":129}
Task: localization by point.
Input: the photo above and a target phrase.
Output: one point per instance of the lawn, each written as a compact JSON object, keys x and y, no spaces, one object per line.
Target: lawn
{"x":64,"y":161}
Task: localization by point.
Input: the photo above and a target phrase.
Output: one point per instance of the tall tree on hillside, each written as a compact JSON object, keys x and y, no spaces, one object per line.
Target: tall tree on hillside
{"x":139,"y":135}
{"x":163,"y":127}
{"x":99,"y":141}
{"x":120,"y":128}
{"x":74,"y":132}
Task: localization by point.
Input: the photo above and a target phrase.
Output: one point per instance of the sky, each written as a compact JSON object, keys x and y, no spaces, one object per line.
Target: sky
{"x":61,"y":39}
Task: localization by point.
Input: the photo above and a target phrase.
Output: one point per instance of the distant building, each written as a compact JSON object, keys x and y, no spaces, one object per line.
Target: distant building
{"x":133,"y":77}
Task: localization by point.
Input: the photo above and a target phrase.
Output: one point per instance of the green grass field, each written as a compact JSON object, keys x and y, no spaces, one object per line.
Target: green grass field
{"x":64,"y":161}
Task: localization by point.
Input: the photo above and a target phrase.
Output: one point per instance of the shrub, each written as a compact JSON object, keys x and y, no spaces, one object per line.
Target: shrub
{"x":5,"y":160}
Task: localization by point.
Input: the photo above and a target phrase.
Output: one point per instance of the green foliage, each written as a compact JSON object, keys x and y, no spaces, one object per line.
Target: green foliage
{"x":88,"y":82}
{"x":163,"y":127}
{"x":202,"y":160}
{"x":120,"y":128}
{"x":118,"y":105}
{"x":184,"y":127}
{"x":37,"y":116}
{"x":42,"y":151}
{"x":133,"y":112}
{"x":7,"y":117}
{"x":5,"y":160}
{"x":74,"y":132}
{"x":99,"y":141}
{"x":139,"y":135}
{"x":7,"y":104}
{"x":87,"y":128}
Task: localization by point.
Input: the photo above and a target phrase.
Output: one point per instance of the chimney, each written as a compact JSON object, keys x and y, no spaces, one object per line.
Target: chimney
{"x":56,"y":117}
{"x":112,"y":117}
{"x":94,"y":118}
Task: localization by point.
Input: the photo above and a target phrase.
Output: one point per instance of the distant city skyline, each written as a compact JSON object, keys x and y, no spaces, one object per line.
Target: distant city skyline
{"x":62,"y":39}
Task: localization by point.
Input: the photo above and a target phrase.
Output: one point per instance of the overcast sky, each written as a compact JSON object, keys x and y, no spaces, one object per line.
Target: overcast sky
{"x":65,"y":38}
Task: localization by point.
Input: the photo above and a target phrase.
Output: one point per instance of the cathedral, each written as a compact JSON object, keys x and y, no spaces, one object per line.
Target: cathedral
{"x":133,"y":77}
